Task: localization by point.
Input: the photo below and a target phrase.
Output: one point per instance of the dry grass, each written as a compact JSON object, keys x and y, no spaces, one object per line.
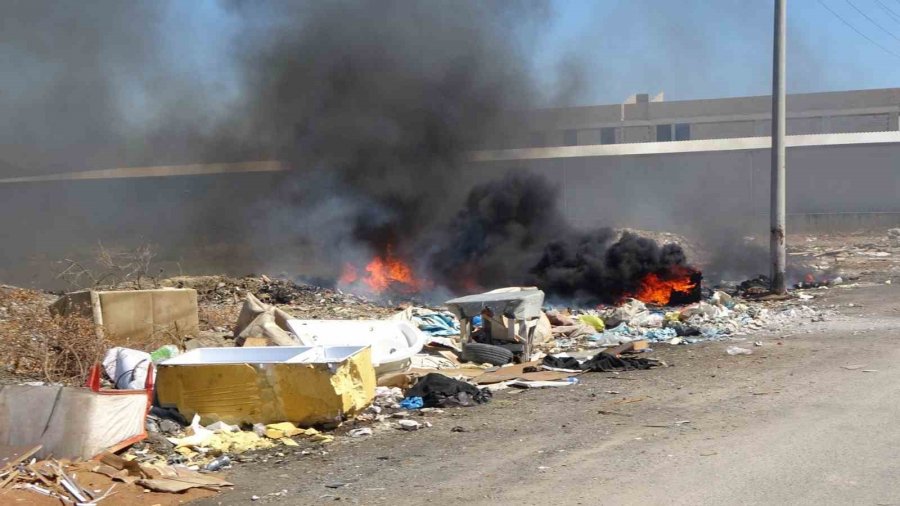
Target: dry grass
{"x":33,"y":343}
{"x":218,"y":316}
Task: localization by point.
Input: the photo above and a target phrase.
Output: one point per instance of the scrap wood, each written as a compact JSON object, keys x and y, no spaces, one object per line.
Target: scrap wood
{"x":132,"y":467}
{"x":116,"y":474}
{"x":184,"y":482}
{"x":620,"y":349}
{"x":70,"y":484}
{"x":518,"y":371}
{"x":40,"y":476}
{"x":9,"y":478}
{"x":21,"y":458}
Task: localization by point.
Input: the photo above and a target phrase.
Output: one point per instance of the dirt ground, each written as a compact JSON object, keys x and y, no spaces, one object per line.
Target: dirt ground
{"x":806,"y":419}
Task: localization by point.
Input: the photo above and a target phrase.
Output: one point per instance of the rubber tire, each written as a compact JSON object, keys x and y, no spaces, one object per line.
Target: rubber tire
{"x":515,"y":348}
{"x":486,"y":354}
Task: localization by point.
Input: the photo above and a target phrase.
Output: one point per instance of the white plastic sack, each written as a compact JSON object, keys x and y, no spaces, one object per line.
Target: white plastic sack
{"x":127,"y":368}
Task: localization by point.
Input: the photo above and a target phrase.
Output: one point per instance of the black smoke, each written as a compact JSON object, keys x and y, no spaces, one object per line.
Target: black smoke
{"x":511,"y":232}
{"x":373,"y":104}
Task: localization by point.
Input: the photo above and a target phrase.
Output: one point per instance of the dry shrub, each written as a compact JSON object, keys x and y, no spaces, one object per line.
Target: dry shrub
{"x":122,"y":268}
{"x":161,"y":335}
{"x":57,"y":349}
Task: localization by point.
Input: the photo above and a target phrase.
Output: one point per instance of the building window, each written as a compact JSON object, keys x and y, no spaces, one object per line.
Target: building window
{"x":608,"y":135}
{"x":570,"y":137}
{"x":683,"y":132}
{"x":663,"y":133}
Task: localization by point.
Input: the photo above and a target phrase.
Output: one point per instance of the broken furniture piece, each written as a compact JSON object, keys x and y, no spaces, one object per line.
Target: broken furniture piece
{"x":519,"y":309}
{"x":304,"y":385}
{"x":73,"y":422}
{"x":127,"y":316}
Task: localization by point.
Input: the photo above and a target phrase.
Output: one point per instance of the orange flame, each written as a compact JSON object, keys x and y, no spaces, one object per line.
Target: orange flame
{"x":659,"y":290}
{"x":383,"y":272}
{"x":349,"y":275}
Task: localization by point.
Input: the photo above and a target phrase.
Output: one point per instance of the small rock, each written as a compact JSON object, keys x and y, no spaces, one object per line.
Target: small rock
{"x":409,"y":424}
{"x":459,"y":428}
{"x":364,"y":431}
{"x":168,"y":426}
{"x":254,"y":497}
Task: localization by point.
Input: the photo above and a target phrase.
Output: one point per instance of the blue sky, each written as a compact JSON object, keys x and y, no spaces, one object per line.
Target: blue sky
{"x":718,"y":48}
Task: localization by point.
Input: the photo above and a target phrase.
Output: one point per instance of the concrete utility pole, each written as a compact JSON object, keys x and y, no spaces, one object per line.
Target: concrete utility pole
{"x":777,"y":213}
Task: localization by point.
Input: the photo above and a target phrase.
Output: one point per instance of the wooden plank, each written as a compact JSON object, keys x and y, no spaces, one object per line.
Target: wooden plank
{"x":9,"y":478}
{"x":620,"y":349}
{"x":21,"y":458}
{"x":640,"y":345}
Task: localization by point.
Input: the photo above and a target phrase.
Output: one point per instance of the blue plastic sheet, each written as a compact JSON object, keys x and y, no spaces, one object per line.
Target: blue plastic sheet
{"x":412,"y":403}
{"x":437,"y":324}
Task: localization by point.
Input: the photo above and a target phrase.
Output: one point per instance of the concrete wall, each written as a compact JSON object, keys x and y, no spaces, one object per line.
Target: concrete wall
{"x":837,"y":187}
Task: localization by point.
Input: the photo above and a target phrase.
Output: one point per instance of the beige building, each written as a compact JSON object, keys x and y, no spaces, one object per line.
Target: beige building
{"x":652,"y":119}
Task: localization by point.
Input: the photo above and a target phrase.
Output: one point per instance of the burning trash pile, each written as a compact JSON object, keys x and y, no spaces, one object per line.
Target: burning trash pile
{"x":281,"y":385}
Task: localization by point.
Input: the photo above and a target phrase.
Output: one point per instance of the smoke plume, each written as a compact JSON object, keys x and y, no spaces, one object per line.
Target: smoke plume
{"x":373,"y":105}
{"x":511,"y":232}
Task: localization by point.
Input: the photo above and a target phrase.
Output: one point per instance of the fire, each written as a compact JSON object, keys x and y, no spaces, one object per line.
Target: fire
{"x":660,"y":289}
{"x":349,"y":275}
{"x":384,"y":272}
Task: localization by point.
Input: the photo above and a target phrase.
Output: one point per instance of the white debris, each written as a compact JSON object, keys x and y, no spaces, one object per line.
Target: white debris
{"x":409,"y":424}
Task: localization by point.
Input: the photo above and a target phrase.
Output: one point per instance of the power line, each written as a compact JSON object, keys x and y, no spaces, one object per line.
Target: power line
{"x":883,"y":29}
{"x":861,"y":34}
{"x":890,"y":12}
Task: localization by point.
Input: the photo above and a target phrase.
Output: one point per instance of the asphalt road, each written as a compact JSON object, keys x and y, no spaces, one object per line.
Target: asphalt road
{"x":801,"y":421}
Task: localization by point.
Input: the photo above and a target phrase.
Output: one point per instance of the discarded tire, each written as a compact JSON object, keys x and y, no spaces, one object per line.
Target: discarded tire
{"x":486,"y":354}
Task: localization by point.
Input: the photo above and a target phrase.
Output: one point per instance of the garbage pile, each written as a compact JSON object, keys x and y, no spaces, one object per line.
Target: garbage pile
{"x":284,"y":384}
{"x":719,"y":317}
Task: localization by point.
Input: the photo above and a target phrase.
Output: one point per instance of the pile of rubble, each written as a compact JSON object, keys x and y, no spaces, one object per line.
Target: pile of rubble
{"x":310,"y":301}
{"x":25,"y":479}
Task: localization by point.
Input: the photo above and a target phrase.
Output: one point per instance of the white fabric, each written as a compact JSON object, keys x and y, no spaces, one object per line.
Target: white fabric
{"x":69,"y":422}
